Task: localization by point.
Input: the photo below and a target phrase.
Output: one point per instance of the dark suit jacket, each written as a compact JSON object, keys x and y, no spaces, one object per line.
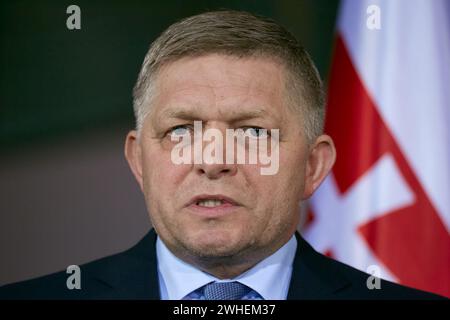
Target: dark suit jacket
{"x":133,"y":275}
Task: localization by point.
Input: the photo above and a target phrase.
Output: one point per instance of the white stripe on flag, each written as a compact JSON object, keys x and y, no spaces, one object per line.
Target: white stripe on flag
{"x":405,"y":67}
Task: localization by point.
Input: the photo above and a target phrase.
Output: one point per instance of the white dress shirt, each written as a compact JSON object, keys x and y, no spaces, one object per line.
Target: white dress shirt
{"x":270,"y":278}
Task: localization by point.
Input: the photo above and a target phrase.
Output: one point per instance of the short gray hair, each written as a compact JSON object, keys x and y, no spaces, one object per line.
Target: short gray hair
{"x":239,"y":34}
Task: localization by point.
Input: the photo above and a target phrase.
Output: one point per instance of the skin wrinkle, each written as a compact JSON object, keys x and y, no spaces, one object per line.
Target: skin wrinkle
{"x":236,"y":35}
{"x":229,"y":245}
{"x":161,"y":76}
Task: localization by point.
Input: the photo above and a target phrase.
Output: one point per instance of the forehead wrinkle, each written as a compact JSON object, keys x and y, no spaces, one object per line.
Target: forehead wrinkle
{"x":245,"y":84}
{"x":191,"y":113}
{"x":212,"y":99}
{"x":195,"y":113}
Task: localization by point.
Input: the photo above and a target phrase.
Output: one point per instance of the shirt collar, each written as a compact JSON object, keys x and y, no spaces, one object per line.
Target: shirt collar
{"x":270,"y":277}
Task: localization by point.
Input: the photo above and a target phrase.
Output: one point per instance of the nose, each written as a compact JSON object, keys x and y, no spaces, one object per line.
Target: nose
{"x":219,"y":166}
{"x":216,"y":171}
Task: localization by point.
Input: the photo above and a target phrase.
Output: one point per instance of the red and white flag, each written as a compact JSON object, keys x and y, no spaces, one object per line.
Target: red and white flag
{"x":387,"y":201}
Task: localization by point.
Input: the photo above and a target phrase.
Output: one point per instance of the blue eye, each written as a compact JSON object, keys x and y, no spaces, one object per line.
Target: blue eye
{"x":180,"y":131}
{"x":256,"y":132}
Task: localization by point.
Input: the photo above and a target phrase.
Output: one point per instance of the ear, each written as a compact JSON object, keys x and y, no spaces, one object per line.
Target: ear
{"x":133,"y":154}
{"x":320,"y":161}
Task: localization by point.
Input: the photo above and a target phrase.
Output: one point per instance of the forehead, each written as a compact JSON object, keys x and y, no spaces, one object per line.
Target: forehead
{"x":216,"y":85}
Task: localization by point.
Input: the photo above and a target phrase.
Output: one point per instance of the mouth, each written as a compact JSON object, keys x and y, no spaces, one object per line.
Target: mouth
{"x":213,"y":205}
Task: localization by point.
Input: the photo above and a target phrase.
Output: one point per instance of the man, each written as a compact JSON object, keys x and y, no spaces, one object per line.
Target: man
{"x":222,"y":229}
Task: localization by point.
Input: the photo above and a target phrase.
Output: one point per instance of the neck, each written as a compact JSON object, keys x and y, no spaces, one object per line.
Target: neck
{"x":225,"y":268}
{"x":229,"y":267}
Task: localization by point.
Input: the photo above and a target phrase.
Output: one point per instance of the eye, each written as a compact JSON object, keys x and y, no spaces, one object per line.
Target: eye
{"x":256,"y":132}
{"x":180,"y":131}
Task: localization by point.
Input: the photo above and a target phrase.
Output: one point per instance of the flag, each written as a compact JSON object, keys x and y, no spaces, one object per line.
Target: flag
{"x":386,"y":203}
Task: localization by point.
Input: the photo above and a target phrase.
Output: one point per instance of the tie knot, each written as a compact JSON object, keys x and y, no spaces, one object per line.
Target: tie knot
{"x":225,"y":291}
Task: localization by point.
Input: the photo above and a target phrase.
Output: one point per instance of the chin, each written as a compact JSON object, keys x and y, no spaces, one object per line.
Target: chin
{"x":215,"y":244}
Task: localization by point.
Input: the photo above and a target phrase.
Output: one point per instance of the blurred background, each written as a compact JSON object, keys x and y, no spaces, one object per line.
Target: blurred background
{"x":66,"y":193}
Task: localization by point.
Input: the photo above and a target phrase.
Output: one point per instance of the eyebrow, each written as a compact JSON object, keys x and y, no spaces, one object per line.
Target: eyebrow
{"x":193,"y":115}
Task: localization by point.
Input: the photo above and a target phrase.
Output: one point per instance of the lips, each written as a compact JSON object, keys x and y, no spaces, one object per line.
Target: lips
{"x":212,"y":198}
{"x":212,"y":205}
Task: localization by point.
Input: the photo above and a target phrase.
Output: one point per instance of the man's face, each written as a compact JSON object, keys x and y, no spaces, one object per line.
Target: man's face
{"x":262,"y":210}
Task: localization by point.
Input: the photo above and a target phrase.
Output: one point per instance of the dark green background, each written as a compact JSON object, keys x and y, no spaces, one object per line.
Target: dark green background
{"x":56,"y":83}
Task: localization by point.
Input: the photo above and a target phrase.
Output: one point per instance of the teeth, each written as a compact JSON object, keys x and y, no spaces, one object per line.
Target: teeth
{"x":210,"y":203}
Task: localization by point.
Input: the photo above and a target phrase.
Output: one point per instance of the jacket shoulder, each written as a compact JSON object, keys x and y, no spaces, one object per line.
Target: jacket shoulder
{"x":364,"y":286}
{"x":54,"y":286}
{"x":316,"y":276}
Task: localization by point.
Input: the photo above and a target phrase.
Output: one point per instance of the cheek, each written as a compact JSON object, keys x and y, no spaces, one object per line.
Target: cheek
{"x":286,"y":187}
{"x":161,"y":176}
{"x":275,"y":192}
{"x":269,"y":194}
{"x":293,"y":165}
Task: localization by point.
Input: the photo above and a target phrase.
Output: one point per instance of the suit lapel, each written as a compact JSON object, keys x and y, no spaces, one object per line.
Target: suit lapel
{"x":133,"y":274}
{"x":313,"y":276}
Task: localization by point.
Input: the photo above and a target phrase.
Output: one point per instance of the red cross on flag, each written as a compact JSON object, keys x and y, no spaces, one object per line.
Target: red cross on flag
{"x":387,"y":201}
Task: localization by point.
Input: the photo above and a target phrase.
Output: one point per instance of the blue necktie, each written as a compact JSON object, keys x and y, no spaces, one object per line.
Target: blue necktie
{"x":225,"y":291}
